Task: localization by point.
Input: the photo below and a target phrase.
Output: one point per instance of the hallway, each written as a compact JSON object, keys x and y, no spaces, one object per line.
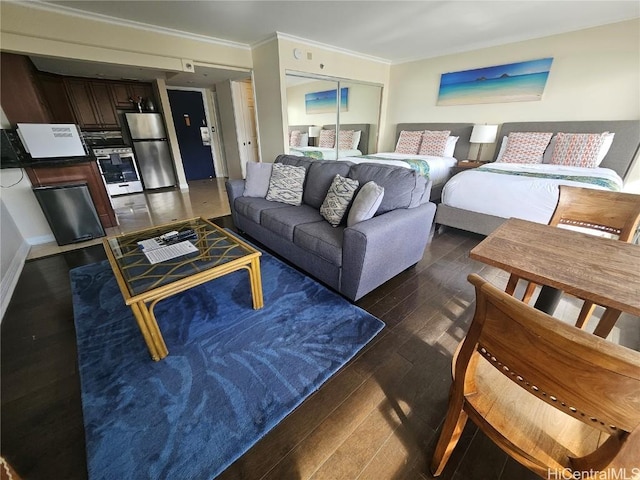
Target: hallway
{"x":205,"y":198}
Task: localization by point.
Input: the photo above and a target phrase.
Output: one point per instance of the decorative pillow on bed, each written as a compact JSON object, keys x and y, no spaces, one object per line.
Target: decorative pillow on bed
{"x":356,"y":139}
{"x":526,"y":147}
{"x":286,"y":183}
{"x":257,"y":182}
{"x":327,"y":139}
{"x":607,"y":141}
{"x":577,"y":149}
{"x":304,"y":140}
{"x":366,"y":203}
{"x":434,"y":143}
{"x":345,"y":141}
{"x":294,"y":138}
{"x":409,"y":142}
{"x":451,"y":146}
{"x":338,"y":198}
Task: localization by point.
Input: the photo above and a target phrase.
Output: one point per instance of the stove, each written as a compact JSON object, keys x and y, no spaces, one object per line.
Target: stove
{"x":119,"y":171}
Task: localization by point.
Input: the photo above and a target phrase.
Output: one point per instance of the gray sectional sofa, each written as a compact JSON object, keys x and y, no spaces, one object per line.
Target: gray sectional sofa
{"x":352,"y":260}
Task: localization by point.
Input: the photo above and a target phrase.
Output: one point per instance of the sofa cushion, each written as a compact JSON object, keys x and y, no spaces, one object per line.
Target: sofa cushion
{"x":283,"y":221}
{"x":366,"y":203}
{"x":338,"y":199}
{"x":252,"y":207}
{"x":258,"y":176}
{"x":286,"y":184}
{"x":320,"y":174}
{"x":403,"y":187}
{"x":322,"y":239}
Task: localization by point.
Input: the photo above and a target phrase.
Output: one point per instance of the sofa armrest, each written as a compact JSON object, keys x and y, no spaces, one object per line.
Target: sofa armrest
{"x":235,"y":189}
{"x":378,"y":249}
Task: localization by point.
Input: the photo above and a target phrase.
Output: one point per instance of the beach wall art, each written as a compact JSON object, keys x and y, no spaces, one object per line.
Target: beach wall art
{"x":513,"y":82}
{"x":325,"y":102}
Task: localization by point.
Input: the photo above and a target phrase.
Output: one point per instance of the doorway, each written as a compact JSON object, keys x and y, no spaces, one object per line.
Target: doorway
{"x":194,"y":135}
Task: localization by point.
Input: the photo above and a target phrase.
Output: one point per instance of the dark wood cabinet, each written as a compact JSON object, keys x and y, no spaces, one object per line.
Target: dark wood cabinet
{"x":77,"y":172}
{"x":22,"y":100}
{"x":92,"y":104}
{"x":123,"y":94}
{"x":55,"y":94}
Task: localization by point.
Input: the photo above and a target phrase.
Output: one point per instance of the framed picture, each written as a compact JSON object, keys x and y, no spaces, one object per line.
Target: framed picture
{"x":325,"y":102}
{"x":513,"y":82}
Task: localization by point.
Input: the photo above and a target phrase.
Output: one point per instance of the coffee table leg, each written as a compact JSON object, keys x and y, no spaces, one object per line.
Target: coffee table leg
{"x":606,"y":323}
{"x":256,"y":283}
{"x":150,"y":331}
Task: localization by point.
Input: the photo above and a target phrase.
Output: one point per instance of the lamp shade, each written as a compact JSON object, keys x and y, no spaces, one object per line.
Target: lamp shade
{"x":484,"y":134}
{"x":314,"y":131}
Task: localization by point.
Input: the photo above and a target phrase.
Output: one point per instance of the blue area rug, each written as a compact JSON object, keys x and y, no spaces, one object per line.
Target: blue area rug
{"x":231,"y":375}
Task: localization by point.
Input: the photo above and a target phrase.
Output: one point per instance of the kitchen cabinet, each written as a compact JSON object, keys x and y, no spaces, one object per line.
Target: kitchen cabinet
{"x":92,"y":104}
{"x":22,"y":101}
{"x":123,"y":93}
{"x":77,"y":172}
{"x":55,"y":94}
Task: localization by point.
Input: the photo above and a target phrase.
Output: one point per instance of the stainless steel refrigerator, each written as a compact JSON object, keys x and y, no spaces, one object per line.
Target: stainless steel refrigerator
{"x":151,"y":149}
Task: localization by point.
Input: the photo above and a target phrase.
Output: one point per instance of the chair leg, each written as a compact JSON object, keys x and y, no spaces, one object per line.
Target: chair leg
{"x":511,"y":284}
{"x":528,"y":293}
{"x":585,"y":313}
{"x":451,"y":430}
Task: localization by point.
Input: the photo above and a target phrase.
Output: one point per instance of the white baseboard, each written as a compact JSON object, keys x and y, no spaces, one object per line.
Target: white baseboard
{"x":10,"y":278}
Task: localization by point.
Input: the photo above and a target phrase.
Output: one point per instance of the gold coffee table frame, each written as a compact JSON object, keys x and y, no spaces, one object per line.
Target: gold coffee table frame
{"x":144,"y":284}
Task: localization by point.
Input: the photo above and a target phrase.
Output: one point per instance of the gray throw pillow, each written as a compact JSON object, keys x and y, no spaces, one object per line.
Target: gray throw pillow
{"x":257,"y":181}
{"x":338,"y":198}
{"x":286,"y":184}
{"x":365,"y":204}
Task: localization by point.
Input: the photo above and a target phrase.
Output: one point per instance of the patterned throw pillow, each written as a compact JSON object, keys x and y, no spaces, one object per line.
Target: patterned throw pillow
{"x":338,"y":198}
{"x":286,"y":183}
{"x":526,"y":147}
{"x":434,"y":143}
{"x":345,"y":141}
{"x":327,"y":139}
{"x":409,"y":142}
{"x":577,"y":149}
{"x":294,"y":138}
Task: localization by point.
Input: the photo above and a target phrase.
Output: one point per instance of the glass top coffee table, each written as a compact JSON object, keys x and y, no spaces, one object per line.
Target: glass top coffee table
{"x":143,"y":284}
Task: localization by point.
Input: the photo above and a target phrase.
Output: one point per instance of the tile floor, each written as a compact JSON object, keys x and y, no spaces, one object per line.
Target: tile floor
{"x":205,"y":198}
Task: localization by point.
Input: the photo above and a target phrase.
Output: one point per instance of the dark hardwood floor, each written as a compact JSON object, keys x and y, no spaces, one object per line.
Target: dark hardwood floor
{"x":377,"y":418}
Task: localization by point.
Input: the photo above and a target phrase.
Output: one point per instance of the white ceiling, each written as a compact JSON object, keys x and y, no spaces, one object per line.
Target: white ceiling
{"x":393,"y":30}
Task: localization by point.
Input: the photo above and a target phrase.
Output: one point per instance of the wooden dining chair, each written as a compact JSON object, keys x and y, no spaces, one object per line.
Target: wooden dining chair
{"x":551,"y":396}
{"x":592,"y":211}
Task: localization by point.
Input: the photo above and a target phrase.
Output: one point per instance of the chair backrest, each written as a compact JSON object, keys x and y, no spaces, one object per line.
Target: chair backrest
{"x":584,"y":376}
{"x":615,"y":213}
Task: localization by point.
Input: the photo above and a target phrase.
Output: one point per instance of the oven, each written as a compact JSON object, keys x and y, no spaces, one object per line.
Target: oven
{"x":119,"y":170}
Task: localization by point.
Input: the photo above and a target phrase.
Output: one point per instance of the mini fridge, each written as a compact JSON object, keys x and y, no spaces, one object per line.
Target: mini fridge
{"x":70,"y":212}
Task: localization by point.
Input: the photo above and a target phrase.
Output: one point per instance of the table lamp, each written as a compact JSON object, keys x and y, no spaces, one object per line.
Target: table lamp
{"x":314,"y":132}
{"x":482,"y":134}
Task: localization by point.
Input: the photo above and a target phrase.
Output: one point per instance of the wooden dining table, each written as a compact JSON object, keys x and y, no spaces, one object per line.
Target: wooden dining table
{"x":602,"y":270}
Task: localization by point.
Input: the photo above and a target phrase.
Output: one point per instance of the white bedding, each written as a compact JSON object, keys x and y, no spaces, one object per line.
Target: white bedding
{"x":322,"y":153}
{"x":439,"y":167}
{"x":526,"y":197}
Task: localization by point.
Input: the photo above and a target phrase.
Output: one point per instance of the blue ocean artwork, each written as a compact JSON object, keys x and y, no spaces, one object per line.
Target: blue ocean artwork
{"x":325,"y":102}
{"x":513,"y":82}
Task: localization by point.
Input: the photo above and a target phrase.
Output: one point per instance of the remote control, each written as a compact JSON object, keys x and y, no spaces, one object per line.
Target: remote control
{"x":169,"y":236}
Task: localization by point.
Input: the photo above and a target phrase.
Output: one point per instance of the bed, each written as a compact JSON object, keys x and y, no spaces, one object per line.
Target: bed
{"x":481,"y":199}
{"x":436,"y":168}
{"x":330,"y":153}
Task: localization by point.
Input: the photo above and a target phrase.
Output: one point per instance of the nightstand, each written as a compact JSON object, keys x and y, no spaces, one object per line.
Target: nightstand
{"x":466,"y":165}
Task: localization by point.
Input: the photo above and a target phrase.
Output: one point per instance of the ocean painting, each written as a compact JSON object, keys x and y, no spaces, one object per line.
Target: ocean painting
{"x":325,"y":102}
{"x":513,"y":82}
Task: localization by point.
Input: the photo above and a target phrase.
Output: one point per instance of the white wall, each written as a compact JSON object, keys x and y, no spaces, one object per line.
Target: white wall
{"x":595,"y":75}
{"x":13,"y":254}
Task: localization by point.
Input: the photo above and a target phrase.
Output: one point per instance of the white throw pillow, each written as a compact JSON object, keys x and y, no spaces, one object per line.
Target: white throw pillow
{"x":450,"y":148}
{"x":257,"y":181}
{"x":366,"y":203}
{"x":356,"y":139}
{"x":503,"y":147}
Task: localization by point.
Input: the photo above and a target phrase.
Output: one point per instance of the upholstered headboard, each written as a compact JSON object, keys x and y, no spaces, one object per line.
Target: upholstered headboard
{"x":462,"y":130}
{"x":301,"y":128}
{"x":624,"y":149}
{"x":363,"y":146}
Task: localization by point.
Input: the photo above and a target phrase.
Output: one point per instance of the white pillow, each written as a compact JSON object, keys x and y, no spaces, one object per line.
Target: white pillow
{"x":356,"y":139}
{"x":304,"y":140}
{"x":451,"y":146}
{"x":503,"y":147}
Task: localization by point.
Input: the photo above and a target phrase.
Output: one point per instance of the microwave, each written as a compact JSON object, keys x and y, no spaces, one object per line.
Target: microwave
{"x":12,"y":152}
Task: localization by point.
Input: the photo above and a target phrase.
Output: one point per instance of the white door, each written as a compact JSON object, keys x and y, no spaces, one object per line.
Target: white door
{"x":244,"y":110}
